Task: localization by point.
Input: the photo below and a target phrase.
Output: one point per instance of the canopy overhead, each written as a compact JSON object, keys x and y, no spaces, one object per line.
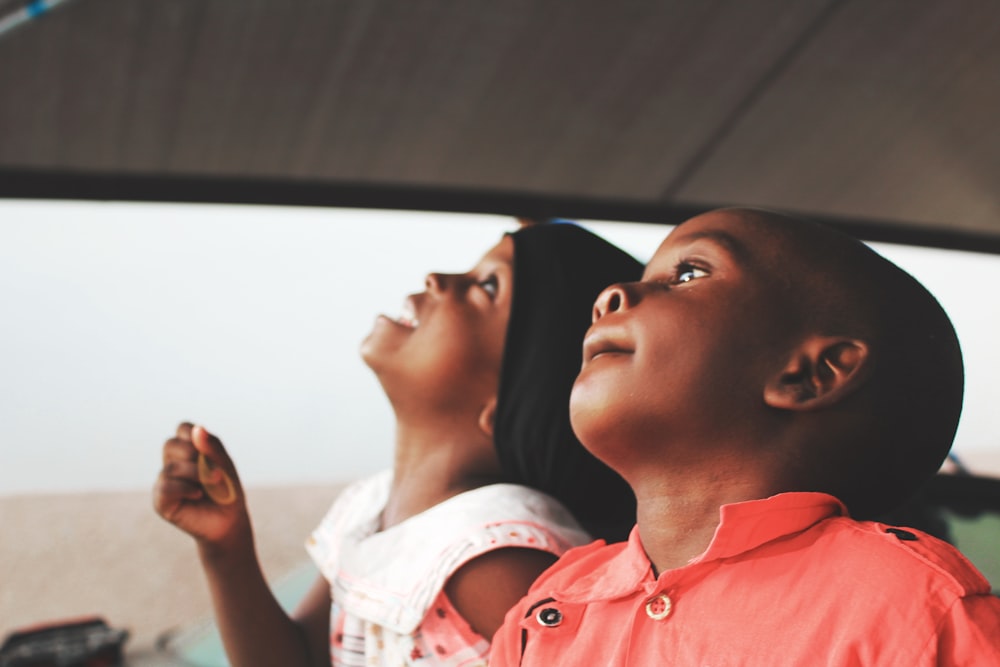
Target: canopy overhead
{"x":879,"y":116}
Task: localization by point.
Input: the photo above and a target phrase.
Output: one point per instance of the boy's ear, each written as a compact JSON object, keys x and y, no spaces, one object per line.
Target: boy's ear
{"x":820,"y":372}
{"x":487,"y":416}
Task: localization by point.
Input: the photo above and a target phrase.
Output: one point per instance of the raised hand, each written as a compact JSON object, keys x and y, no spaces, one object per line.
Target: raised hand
{"x":198,"y":490}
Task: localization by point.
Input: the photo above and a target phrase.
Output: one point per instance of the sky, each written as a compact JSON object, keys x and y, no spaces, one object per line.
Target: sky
{"x":123,"y":319}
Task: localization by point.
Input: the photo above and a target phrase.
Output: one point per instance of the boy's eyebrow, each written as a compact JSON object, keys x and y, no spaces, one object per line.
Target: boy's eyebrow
{"x":729,"y":243}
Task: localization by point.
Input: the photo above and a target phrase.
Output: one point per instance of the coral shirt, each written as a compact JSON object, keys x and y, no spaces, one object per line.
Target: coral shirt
{"x":789,"y":580}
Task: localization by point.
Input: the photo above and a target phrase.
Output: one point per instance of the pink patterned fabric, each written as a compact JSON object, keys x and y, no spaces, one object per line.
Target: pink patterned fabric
{"x":389,"y":608}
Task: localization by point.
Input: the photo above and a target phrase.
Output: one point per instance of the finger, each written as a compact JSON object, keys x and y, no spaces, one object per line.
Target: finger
{"x":181,"y":470}
{"x":206,"y":443}
{"x":170,"y":494}
{"x":215,"y":468}
{"x":211,"y":447}
{"x":184,"y":430}
{"x":217,"y":484}
{"x":176,"y":449}
{"x":182,"y":489}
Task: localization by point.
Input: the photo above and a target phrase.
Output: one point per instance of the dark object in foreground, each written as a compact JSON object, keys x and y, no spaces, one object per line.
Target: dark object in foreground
{"x":84,"y":642}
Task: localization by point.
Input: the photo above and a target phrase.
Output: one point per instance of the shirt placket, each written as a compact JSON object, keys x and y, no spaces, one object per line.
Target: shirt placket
{"x":656,"y":608}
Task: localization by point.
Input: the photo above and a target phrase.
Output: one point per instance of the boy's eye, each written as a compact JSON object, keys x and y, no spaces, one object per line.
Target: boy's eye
{"x":490,"y":285}
{"x":688,"y":272}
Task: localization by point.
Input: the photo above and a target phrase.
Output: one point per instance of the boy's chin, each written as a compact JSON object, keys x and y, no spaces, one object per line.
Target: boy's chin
{"x":592,"y":393}
{"x":595,"y":413}
{"x":588,"y":418}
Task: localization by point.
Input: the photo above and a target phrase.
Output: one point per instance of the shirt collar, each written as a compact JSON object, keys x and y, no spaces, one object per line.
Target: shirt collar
{"x":747,"y":525}
{"x":742,"y":527}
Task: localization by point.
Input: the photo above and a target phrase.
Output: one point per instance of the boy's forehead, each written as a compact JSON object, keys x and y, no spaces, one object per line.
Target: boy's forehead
{"x":728,"y":232}
{"x":747,"y":236}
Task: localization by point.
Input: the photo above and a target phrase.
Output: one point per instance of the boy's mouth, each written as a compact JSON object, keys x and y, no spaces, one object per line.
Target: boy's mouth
{"x":600,"y":343}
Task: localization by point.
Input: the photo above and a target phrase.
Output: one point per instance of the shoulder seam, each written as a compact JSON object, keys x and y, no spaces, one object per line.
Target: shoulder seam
{"x":934,"y":553}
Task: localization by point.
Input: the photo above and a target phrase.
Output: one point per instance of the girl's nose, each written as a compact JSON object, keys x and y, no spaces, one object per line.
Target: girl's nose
{"x":611,"y":300}
{"x":434,"y":282}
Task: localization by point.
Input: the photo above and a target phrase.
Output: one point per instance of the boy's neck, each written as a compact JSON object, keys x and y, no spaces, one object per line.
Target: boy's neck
{"x":677,"y":518}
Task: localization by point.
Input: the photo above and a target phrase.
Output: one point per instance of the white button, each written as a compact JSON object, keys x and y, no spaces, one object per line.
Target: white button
{"x":659,"y":607}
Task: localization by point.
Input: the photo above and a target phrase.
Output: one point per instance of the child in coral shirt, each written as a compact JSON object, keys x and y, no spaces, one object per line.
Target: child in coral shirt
{"x":767,"y":386}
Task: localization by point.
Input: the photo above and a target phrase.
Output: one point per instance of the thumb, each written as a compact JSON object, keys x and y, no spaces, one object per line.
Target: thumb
{"x":210,"y":446}
{"x":216,"y":471}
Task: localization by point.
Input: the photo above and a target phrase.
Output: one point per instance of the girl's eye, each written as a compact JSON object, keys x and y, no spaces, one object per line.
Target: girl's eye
{"x":490,"y":285}
{"x":688,"y":272}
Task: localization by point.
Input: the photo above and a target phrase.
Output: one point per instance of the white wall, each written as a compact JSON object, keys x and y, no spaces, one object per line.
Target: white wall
{"x":119,"y":320}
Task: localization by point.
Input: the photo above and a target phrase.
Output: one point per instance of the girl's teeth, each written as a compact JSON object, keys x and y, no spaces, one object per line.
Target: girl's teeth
{"x":408,"y":317}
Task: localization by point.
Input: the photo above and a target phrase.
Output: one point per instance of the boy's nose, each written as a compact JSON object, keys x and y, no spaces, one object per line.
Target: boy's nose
{"x":610,"y":300}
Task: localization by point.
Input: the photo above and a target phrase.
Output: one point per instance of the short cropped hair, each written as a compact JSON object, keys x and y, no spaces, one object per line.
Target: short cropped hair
{"x":914,"y":395}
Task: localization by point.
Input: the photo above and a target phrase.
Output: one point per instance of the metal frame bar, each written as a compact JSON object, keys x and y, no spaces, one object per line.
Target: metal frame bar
{"x":105,"y":186}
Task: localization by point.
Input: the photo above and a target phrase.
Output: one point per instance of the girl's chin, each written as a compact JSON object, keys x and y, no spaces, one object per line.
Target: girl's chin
{"x":369,"y":350}
{"x":378,"y":350}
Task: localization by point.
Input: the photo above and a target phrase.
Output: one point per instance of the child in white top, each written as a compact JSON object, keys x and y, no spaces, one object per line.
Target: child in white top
{"x":420,"y":564}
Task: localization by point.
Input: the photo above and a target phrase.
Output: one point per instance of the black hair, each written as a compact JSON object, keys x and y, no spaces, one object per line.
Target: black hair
{"x":559,"y":269}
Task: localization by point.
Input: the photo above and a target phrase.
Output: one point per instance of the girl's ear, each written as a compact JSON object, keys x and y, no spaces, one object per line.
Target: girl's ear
{"x":487,"y":416}
{"x":822,"y":370}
